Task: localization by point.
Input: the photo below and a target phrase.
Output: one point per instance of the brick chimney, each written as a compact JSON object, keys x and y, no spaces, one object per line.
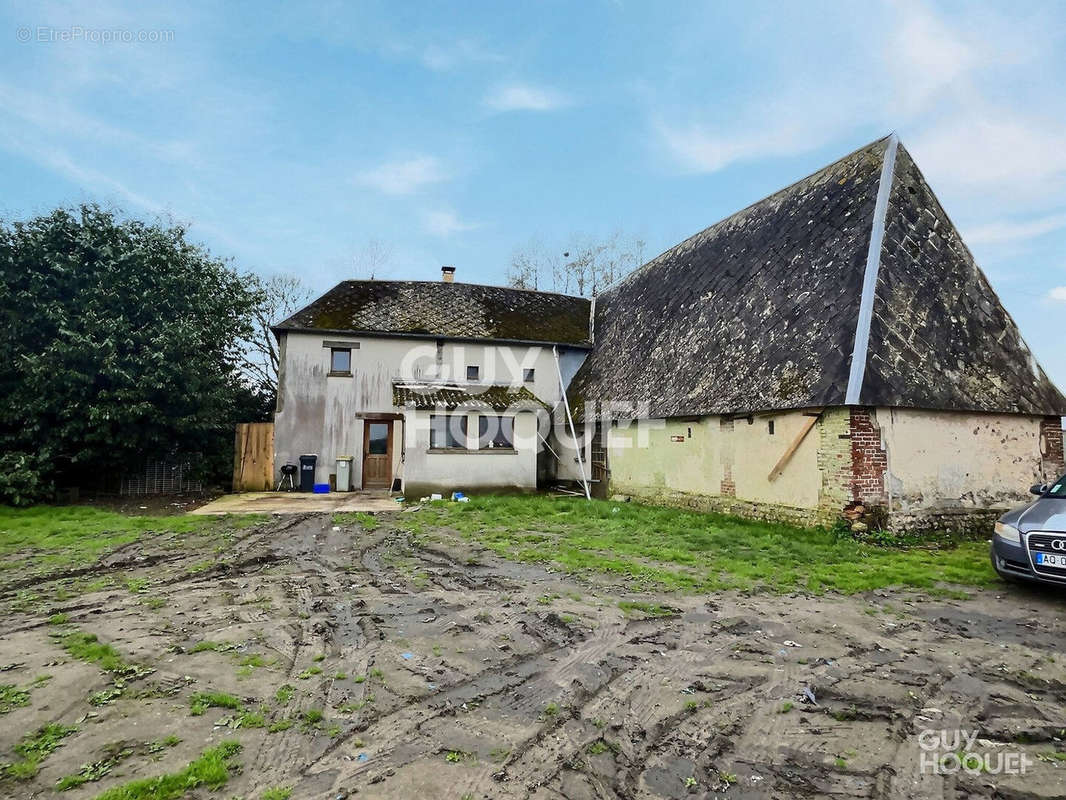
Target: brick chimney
{"x":447,"y":274}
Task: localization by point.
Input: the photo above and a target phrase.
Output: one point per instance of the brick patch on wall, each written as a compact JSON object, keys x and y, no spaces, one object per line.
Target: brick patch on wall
{"x":1051,"y":459}
{"x":869,"y":462}
{"x":729,"y":487}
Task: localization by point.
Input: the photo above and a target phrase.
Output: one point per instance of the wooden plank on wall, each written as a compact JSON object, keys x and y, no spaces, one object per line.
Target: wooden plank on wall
{"x":779,"y":467}
{"x":253,"y":457}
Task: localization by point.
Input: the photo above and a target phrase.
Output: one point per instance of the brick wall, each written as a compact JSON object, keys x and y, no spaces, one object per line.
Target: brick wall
{"x":1051,"y":458}
{"x":869,"y":461}
{"x":834,"y":459}
{"x":729,"y":486}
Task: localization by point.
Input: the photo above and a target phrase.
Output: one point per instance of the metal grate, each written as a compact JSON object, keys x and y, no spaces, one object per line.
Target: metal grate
{"x":161,"y":477}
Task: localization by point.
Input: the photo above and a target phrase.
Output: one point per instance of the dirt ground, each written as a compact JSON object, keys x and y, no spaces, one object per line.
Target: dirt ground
{"x":442,"y":672}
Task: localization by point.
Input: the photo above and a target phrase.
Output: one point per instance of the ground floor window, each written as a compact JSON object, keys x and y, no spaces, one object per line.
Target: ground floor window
{"x":447,"y":431}
{"x":495,"y":432}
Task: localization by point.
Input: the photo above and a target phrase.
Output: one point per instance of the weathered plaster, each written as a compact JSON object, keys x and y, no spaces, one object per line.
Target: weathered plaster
{"x":323,"y":414}
{"x":939,"y":459}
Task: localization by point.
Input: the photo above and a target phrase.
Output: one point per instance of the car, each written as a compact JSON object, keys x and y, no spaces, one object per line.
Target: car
{"x":1030,"y":542}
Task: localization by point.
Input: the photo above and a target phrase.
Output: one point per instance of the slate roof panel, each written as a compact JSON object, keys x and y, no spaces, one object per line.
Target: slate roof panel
{"x":447,"y":310}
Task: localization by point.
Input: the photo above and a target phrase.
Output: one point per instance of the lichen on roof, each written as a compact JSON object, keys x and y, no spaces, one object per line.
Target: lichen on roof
{"x":447,"y":310}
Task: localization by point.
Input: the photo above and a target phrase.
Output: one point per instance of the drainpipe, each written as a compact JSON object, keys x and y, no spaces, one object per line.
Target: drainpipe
{"x":570,"y":419}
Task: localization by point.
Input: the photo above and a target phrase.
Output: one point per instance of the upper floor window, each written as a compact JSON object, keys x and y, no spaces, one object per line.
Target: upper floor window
{"x":527,"y":375}
{"x":340,"y":361}
{"x":473,"y":373}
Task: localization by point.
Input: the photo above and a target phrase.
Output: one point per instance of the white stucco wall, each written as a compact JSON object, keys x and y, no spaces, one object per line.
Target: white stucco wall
{"x":323,"y":414}
{"x":956,"y":459}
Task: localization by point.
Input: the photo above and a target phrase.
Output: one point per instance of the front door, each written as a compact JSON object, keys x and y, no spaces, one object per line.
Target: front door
{"x":377,"y":454}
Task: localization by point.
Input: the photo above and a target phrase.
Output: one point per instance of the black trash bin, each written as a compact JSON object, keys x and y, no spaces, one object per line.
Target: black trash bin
{"x":307,"y":472}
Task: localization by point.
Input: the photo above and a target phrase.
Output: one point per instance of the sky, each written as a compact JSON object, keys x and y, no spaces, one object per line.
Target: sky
{"x":299,"y":138}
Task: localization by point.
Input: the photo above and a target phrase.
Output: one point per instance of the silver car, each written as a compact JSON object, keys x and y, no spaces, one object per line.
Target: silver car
{"x":1030,"y":542}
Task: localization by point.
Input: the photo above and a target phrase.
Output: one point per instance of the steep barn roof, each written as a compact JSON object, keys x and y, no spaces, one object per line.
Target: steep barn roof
{"x":850,"y":286}
{"x":446,"y":310}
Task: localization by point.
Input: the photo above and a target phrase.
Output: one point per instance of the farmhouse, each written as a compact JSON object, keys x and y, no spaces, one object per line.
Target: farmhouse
{"x":833,"y":346}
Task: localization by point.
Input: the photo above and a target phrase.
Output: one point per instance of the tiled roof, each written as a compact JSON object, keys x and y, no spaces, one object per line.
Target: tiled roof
{"x":447,"y":310}
{"x":760,"y":311}
{"x":450,"y":396}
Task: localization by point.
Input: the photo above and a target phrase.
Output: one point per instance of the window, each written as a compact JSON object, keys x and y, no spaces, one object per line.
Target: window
{"x":473,"y":373}
{"x":340,"y":361}
{"x":447,"y":431}
{"x":495,"y":432}
{"x":527,"y":375}
{"x":770,"y":427}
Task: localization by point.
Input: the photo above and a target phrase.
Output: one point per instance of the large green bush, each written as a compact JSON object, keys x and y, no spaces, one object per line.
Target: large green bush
{"x":119,"y":341}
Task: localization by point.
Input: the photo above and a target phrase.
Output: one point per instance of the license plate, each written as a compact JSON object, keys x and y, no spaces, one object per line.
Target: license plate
{"x":1051,"y":560}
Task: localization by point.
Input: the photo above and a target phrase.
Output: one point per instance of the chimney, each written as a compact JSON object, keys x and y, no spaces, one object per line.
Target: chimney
{"x":447,"y":274}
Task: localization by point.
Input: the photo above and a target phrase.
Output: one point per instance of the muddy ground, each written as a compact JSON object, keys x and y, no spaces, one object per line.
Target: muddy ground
{"x":444,"y":672}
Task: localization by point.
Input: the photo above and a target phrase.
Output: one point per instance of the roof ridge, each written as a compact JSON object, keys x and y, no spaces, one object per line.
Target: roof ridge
{"x":861,"y":347}
{"x":740,"y":211}
{"x":466,"y":283}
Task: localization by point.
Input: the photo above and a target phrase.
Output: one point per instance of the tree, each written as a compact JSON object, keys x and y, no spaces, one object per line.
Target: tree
{"x":584,"y":267}
{"x":279,"y":297}
{"x":119,"y":340}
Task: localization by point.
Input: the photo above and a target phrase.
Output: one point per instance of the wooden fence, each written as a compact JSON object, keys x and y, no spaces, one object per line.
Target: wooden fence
{"x":253,"y":457}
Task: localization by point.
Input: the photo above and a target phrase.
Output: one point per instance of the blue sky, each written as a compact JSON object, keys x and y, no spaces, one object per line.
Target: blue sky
{"x":290,"y":138}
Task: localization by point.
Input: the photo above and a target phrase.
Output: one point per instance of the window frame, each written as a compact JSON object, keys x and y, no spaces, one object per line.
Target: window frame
{"x":529,"y":375}
{"x":339,"y":373}
{"x":453,"y":441}
{"x":477,"y":372}
{"x":482,"y":432}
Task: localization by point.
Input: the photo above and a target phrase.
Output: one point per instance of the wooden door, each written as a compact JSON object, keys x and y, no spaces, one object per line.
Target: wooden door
{"x":599,"y":472}
{"x":377,"y":453}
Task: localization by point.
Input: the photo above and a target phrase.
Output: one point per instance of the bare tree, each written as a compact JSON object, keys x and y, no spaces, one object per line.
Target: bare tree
{"x":372,"y":259}
{"x":584,"y":267}
{"x":280,"y":296}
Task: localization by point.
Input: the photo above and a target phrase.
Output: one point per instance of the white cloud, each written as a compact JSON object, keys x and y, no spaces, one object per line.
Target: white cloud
{"x":445,"y":222}
{"x":524,"y":97}
{"x":925,"y":56}
{"x":405,"y":176}
{"x":1006,"y":231}
{"x":992,"y":148}
{"x":1058,"y":294}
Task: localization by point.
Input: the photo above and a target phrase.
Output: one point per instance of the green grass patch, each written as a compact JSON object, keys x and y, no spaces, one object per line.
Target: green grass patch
{"x":212,"y":769}
{"x":12,"y":697}
{"x":35,"y":748}
{"x":368,"y":522}
{"x":201,"y":701}
{"x":651,"y":546}
{"x":633,"y":607}
{"x":87,"y":647}
{"x":59,"y":619}
{"x":276,"y":793}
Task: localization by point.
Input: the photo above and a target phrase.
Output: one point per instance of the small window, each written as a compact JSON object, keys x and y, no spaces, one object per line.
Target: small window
{"x":770,"y":427}
{"x":494,"y":432}
{"x":473,"y":373}
{"x":340,"y":361}
{"x":527,"y":375}
{"x":447,"y":431}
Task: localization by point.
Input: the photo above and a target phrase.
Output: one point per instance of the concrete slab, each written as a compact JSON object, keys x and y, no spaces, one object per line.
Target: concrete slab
{"x":298,"y":503}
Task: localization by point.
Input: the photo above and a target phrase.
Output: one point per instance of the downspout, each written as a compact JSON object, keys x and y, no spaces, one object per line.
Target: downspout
{"x":570,"y":419}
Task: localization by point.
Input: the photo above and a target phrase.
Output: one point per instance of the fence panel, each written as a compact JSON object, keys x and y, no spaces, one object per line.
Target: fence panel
{"x":253,"y":457}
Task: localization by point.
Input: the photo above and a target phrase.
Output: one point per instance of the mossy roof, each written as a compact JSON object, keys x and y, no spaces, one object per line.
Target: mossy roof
{"x":446,"y":310}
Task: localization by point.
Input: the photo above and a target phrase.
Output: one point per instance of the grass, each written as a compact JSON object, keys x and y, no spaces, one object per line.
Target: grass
{"x":632,"y":607}
{"x":212,"y":769}
{"x":87,"y":647}
{"x":36,"y":747}
{"x":201,"y":701}
{"x":276,"y":793}
{"x":284,"y":694}
{"x":364,"y":520}
{"x":696,"y":552}
{"x":115,"y":754}
{"x":12,"y":697}
{"x":71,"y":535}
